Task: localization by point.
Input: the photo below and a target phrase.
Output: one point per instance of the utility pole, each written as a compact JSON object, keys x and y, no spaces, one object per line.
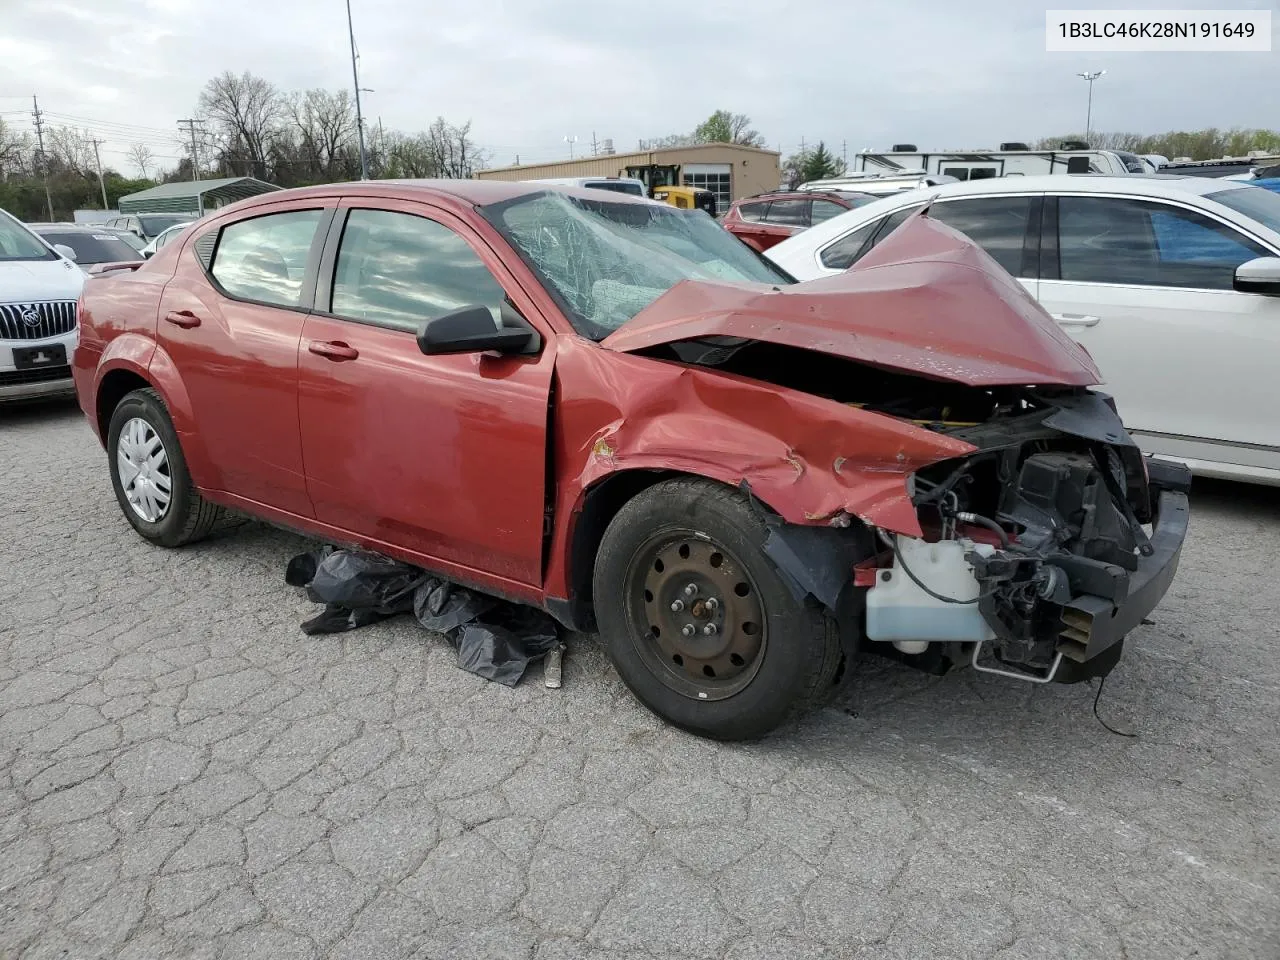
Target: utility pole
{"x":195,"y":155}
{"x":844,"y":153}
{"x":38,"y":119}
{"x":593,"y":143}
{"x":355,"y":78}
{"x":101,"y":182}
{"x":570,"y":141}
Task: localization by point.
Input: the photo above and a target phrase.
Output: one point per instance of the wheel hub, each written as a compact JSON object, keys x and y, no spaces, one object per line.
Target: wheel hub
{"x":142,"y":465}
{"x":705,"y":625}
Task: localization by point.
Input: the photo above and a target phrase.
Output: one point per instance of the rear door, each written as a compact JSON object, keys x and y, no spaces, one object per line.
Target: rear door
{"x":229,"y":322}
{"x":442,"y":457}
{"x":1146,"y":286}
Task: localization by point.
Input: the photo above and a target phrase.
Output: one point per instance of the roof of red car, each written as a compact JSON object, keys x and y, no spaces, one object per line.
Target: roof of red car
{"x":478,"y":192}
{"x":796,"y":195}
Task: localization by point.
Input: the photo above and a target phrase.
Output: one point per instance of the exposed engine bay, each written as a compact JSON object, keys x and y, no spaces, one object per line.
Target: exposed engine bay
{"x":1051,"y":536}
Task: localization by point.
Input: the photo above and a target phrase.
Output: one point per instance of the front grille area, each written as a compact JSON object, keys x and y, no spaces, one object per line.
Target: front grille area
{"x":13,"y":378}
{"x":52,"y":318}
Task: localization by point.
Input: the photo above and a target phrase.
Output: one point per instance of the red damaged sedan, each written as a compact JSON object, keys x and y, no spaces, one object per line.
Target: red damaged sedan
{"x":615,"y":411}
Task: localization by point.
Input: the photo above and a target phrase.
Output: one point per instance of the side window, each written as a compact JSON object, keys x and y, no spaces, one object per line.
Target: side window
{"x":397,"y":270}
{"x":1187,"y":238}
{"x":852,"y":247}
{"x":753,"y":212}
{"x":825,"y":210}
{"x":892,"y":222}
{"x":1113,"y":240}
{"x":997,"y":224}
{"x":788,"y":213}
{"x":265,"y":258}
{"x":842,"y":254}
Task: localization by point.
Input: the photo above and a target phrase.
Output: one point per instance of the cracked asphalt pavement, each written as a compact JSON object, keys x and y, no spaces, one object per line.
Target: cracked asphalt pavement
{"x":183,"y":773}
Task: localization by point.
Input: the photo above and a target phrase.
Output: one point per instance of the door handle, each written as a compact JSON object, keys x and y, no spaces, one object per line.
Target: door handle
{"x":182,"y":318}
{"x":1076,"y":319}
{"x":333,"y":349}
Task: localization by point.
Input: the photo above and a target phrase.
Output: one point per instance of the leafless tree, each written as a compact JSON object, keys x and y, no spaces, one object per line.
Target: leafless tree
{"x":70,"y":150}
{"x":326,"y":124}
{"x":140,"y":156}
{"x":247,"y":111}
{"x":15,"y":151}
{"x":455,"y":153}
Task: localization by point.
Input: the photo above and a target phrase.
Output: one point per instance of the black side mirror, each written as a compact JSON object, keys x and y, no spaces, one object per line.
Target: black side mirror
{"x":472,"y":330}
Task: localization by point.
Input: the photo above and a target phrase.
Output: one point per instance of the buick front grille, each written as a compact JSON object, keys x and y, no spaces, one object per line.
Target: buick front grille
{"x":37,"y":321}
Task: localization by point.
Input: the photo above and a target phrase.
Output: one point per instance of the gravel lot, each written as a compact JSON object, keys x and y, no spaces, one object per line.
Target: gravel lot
{"x":184,"y":774}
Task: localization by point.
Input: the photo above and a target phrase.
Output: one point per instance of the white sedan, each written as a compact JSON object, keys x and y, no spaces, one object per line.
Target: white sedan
{"x":1171,"y":283}
{"x":163,"y":237}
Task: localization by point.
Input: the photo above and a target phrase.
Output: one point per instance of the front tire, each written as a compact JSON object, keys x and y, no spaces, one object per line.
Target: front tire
{"x":149,"y":474}
{"x":698,"y":622}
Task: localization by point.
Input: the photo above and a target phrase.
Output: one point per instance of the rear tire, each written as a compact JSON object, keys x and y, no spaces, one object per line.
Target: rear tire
{"x":149,"y":474}
{"x":768,"y":655}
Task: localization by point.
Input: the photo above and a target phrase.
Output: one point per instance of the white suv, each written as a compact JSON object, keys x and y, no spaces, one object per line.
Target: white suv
{"x":39,"y":287}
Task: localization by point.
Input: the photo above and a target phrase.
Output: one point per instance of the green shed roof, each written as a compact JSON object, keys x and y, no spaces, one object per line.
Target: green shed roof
{"x":194,"y":196}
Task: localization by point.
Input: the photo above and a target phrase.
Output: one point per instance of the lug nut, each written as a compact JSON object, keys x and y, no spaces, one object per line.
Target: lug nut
{"x":688,"y":630}
{"x":677,"y":606}
{"x":691,"y":590}
{"x":712,"y":604}
{"x":709,"y":629}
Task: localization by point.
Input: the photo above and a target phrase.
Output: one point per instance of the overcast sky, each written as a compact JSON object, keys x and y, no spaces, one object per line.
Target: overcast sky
{"x":529,"y":72}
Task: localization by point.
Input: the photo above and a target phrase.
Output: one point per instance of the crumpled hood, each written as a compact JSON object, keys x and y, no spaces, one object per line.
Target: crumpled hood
{"x":926,"y":300}
{"x":31,"y":281}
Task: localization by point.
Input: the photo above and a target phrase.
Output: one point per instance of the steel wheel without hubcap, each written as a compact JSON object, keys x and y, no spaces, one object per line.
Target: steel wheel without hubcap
{"x":698,"y":623}
{"x":142,"y":465}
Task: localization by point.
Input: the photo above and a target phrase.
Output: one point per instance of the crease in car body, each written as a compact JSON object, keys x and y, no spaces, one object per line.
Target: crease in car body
{"x":826,"y":433}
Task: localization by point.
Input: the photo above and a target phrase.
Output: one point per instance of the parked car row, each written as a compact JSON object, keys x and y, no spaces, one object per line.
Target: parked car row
{"x":39,"y":286}
{"x":42,"y":271}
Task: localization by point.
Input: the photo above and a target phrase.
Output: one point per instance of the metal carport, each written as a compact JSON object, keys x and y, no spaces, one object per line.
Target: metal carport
{"x":193,"y":196}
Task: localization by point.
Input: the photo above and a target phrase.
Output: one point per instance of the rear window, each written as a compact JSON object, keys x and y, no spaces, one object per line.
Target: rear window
{"x":755,"y":212}
{"x":151,"y":225}
{"x":94,"y":247}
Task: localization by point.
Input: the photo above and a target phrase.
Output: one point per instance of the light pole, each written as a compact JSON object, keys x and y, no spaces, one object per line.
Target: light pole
{"x":570,"y":141}
{"x":355,"y":77}
{"x":1088,"y":117}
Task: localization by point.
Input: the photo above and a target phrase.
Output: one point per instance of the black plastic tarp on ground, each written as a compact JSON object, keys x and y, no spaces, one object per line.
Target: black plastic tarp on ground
{"x":495,"y":639}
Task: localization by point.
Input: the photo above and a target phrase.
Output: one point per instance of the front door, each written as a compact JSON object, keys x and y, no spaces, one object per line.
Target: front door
{"x":231,"y":329}
{"x":1146,"y":286}
{"x":443,"y":459}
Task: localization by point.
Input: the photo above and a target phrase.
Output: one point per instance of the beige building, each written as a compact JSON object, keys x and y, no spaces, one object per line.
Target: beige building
{"x":730,"y":171}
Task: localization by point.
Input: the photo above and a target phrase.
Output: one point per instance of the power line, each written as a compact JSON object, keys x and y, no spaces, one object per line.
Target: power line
{"x":89,"y":121}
